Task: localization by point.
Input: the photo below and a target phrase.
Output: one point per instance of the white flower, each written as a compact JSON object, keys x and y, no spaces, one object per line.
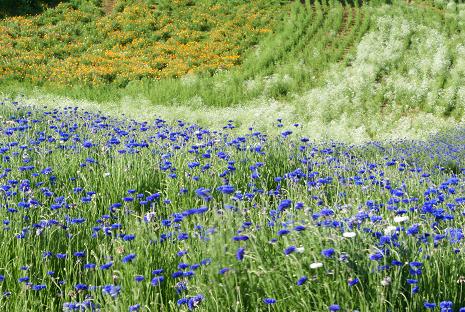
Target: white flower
{"x":300,"y":249}
{"x":400,"y":219}
{"x":386,"y":281}
{"x":390,"y":229}
{"x":349,"y":234}
{"x":316,"y":265}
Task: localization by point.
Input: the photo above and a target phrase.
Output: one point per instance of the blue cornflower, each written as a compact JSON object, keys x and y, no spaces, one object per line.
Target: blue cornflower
{"x":139,"y":278}
{"x":353,"y":281}
{"x":89,"y":266}
{"x":376,"y":256}
{"x":38,"y":287}
{"x":195,"y":301}
{"x":181,"y":253}
{"x":157,"y":271}
{"x":269,"y":301}
{"x":111,"y":290}
{"x":334,"y":307}
{"x":289,"y":250}
{"x":206,"y":261}
{"x":106,"y":266}
{"x":226,"y":189}
{"x":283,"y":232}
{"x":241,"y":238}
{"x":157,"y":280}
{"x":188,"y":274}
{"x":284,"y":204}
{"x":416,"y":264}
{"x":177,"y":274}
{"x":446,"y":304}
{"x":23,"y":279}
{"x":328,"y":253}
{"x":302,"y":280}
{"x":129,"y":237}
{"x":80,"y":254}
{"x":183,"y":236}
{"x":80,"y":287}
{"x":429,"y":305}
{"x":129,"y":258}
{"x":240,"y":254}
{"x":224,"y":270}
{"x":135,"y":307}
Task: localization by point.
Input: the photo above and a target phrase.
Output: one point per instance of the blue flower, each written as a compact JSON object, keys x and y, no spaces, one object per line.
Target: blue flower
{"x":302,"y":280}
{"x":80,"y":287}
{"x":334,"y":307}
{"x":289,"y":250}
{"x":376,"y":256}
{"x":328,"y":253}
{"x":195,"y":301}
{"x":39,"y":287}
{"x":240,"y":238}
{"x":111,"y":290}
{"x":157,"y":280}
{"x":135,"y":307}
{"x":284,"y":204}
{"x":89,"y":266}
{"x":80,"y":254}
{"x":226,"y":189}
{"x":23,"y":279}
{"x":446,"y":305}
{"x":240,"y":254}
{"x":269,"y":301}
{"x":353,"y":281}
{"x":223,"y":271}
{"x":157,"y":271}
{"x":129,"y":258}
{"x":106,"y":266}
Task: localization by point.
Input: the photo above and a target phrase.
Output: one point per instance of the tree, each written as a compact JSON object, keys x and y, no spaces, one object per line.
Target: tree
{"x":21,"y":7}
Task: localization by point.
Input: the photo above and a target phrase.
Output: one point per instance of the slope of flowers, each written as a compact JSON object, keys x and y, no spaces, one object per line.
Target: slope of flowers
{"x":68,"y":45}
{"x":110,"y":214}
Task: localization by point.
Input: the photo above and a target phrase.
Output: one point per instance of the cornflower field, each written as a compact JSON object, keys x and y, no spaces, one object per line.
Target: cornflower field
{"x":111,"y":214}
{"x":215,"y":155}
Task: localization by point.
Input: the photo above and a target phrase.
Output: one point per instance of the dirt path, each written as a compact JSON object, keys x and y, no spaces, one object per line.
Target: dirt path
{"x":108,"y":6}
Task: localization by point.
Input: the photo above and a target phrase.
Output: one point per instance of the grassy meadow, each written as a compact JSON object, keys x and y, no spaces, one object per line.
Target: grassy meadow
{"x":232,"y":155}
